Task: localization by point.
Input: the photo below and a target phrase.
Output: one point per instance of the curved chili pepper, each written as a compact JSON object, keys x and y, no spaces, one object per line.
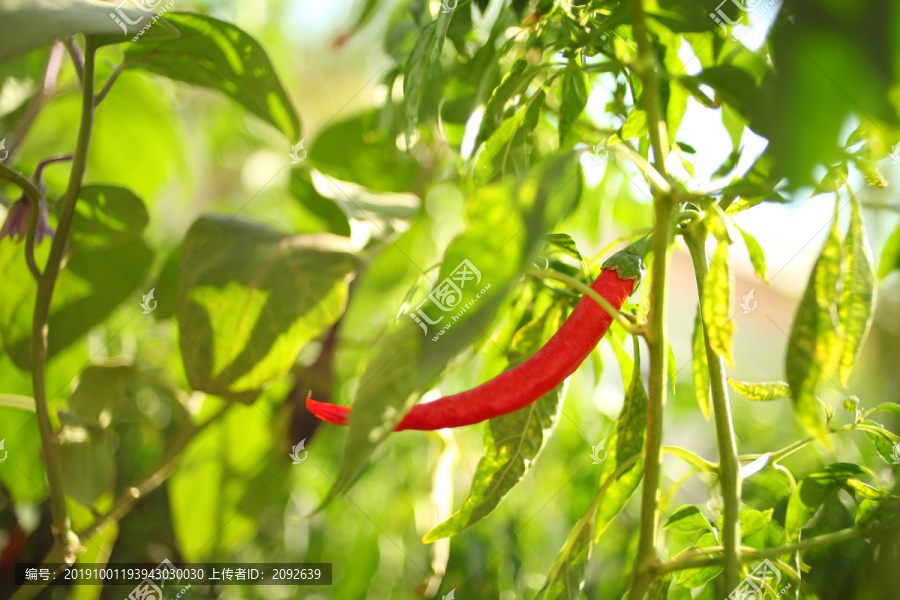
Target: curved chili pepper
{"x":523,"y":384}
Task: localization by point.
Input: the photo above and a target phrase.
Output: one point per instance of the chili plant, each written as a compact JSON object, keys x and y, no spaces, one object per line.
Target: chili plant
{"x":521,"y":196}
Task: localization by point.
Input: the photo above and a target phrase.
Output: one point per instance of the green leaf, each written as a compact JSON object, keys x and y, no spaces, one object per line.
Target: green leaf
{"x":635,"y":125}
{"x":857,"y":303}
{"x":752,"y":521}
{"x":718,"y":303}
{"x":564,"y":242}
{"x":513,"y":83}
{"x":811,"y":493}
{"x":106,"y":215}
{"x":512,"y":442}
{"x":695,"y":578}
{"x":88,"y":465}
{"x":508,"y":150}
{"x":771,"y":390}
{"x":814,"y":342}
{"x":757,"y":255}
{"x":700,"y":367}
{"x":214,"y":54}
{"x":890,"y":255}
{"x":422,"y":74}
{"x":26,"y":24}
{"x":379,"y":215}
{"x":633,"y":419}
{"x":100,"y":393}
{"x":574,"y":90}
{"x":221,"y":471}
{"x":506,"y":225}
{"x":689,"y":520}
{"x":22,"y":472}
{"x":93,"y":282}
{"x":250,"y":298}
{"x":365,"y":152}
{"x":327,"y":209}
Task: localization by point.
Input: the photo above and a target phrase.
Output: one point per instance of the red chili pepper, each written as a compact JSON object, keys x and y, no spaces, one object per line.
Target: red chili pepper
{"x":523,"y":384}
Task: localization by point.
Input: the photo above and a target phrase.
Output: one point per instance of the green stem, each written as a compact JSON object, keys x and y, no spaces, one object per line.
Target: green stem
{"x":665,"y":204}
{"x":702,"y":557}
{"x":27,"y":186}
{"x":657,"y":340}
{"x":126,"y":500}
{"x":61,"y":523}
{"x":585,"y":289}
{"x":729,"y":466}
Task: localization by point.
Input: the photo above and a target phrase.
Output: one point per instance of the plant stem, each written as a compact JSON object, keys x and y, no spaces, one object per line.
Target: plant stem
{"x":57,"y":554}
{"x":657,"y":340}
{"x":61,"y":524}
{"x":126,"y":500}
{"x":729,"y":467}
{"x":27,"y":186}
{"x":585,"y":289}
{"x":703,"y":557}
{"x":656,"y":330}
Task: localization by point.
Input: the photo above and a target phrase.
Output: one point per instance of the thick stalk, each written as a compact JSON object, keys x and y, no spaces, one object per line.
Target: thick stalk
{"x":729,"y":466}
{"x":61,"y":525}
{"x":657,"y":340}
{"x":656,"y":329}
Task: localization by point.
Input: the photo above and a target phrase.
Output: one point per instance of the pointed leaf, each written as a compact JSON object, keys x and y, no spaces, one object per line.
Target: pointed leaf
{"x":700,"y":367}
{"x":857,"y":304}
{"x":512,"y":442}
{"x":214,"y":54}
{"x":573,"y":96}
{"x":718,"y":303}
{"x":633,"y":419}
{"x":635,"y":125}
{"x":770,"y":390}
{"x":250,"y":298}
{"x":814,"y":343}
{"x":512,"y":84}
{"x":757,"y":255}
{"x":421,"y":78}
{"x":508,"y":150}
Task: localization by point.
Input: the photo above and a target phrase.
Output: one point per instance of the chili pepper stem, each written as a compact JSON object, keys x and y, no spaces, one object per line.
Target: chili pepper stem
{"x":618,"y":317}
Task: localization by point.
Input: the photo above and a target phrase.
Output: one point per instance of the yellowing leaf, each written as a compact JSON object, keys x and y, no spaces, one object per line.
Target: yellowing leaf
{"x":757,"y":255}
{"x":857,"y":303}
{"x":771,"y":390}
{"x":512,"y":442}
{"x":718,"y":303}
{"x":814,"y":344}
